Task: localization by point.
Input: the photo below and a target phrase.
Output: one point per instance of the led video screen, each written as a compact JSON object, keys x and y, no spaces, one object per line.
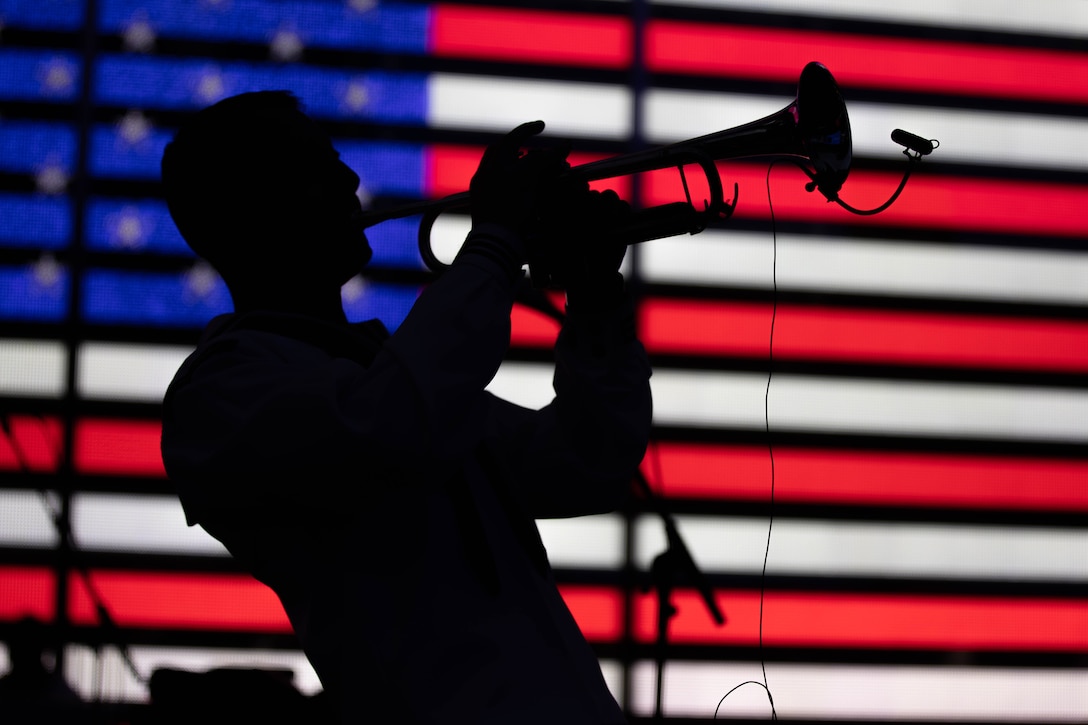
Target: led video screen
{"x":869,"y":430}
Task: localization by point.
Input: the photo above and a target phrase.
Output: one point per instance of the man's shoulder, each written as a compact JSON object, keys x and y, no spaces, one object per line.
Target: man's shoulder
{"x":268,"y":339}
{"x":281,"y":332}
{"x":227,"y":346}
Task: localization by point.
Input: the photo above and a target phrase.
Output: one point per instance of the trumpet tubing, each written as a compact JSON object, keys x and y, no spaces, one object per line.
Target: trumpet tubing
{"x":813,"y":131}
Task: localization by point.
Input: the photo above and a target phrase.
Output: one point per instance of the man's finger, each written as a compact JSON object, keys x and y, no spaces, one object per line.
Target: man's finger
{"x":508,"y":147}
{"x":511,"y":142}
{"x":525,"y":130}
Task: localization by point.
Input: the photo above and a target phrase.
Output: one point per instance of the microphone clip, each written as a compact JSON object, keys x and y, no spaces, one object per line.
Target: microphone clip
{"x":920,"y":146}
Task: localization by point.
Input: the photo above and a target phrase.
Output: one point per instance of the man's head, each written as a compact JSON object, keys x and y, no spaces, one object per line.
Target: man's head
{"x":255,"y":186}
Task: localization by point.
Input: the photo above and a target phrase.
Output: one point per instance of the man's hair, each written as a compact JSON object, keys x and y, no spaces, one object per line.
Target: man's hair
{"x":221,"y":163}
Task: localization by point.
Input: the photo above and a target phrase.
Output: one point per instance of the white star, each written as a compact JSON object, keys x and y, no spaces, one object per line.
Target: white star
{"x":362,"y":6}
{"x":201,"y":280}
{"x":47,"y":271}
{"x":138,"y":36}
{"x":356,"y":96}
{"x":353,"y":289}
{"x":59,"y":76}
{"x":130,"y":233}
{"x":211,"y":87}
{"x":51,"y":178}
{"x":134,"y":127}
{"x":286,"y":46}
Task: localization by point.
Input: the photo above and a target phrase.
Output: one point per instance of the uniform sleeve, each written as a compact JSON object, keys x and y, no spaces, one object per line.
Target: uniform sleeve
{"x":578,"y":454}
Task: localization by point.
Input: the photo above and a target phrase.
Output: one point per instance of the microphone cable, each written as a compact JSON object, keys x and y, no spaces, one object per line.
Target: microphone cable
{"x":770,"y":453}
{"x":915,"y":147}
{"x":767,"y":430}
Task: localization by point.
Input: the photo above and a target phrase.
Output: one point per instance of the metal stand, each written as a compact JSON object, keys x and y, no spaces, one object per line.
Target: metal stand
{"x":672,"y":565}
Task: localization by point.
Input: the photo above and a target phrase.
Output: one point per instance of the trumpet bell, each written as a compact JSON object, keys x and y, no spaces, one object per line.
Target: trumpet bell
{"x":814,"y":128}
{"x":824,"y":128}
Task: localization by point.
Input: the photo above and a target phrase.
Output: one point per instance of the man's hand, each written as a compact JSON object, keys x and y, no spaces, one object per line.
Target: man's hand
{"x":507,"y":186}
{"x":579,"y":251}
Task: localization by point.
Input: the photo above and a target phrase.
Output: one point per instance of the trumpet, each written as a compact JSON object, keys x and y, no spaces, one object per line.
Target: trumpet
{"x":813,"y":131}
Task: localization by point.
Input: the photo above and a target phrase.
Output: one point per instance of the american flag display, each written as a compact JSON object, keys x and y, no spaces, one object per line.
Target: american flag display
{"x":870,"y":432}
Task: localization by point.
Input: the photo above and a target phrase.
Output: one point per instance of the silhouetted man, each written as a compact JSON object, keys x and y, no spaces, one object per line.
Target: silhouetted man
{"x":370,"y":480}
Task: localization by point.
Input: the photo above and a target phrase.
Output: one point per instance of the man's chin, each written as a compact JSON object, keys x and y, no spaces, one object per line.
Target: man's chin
{"x":365,"y":255}
{"x":356,"y":246}
{"x":355,"y":262}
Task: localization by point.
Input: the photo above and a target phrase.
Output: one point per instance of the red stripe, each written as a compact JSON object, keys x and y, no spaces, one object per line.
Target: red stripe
{"x":847,"y":620}
{"x":530,"y":36}
{"x":533,"y":328}
{"x":806,"y":475}
{"x":954,"y":203}
{"x":797,"y":619}
{"x":598,"y":611}
{"x":826,"y":333}
{"x":449,"y":170}
{"x":100,"y":446}
{"x":868,"y":62}
{"x":31,"y":443}
{"x":180,"y":601}
{"x":27,"y":591}
{"x":118,"y":447}
{"x":801,"y":475}
{"x":860,"y":620}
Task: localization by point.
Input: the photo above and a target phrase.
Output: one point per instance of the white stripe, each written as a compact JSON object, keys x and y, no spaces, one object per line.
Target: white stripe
{"x":865,"y":692}
{"x":448,"y":234}
{"x":867,"y":266}
{"x":26,"y":519}
{"x":132,"y":523}
{"x":103,"y":675}
{"x":155,"y":524}
{"x":887,"y":549}
{"x":813,"y":403}
{"x":974,"y":137}
{"x":613,"y":677}
{"x":32,"y":368}
{"x":849,"y":406}
{"x":965,"y":136}
{"x":1068,"y":18}
{"x":122,"y":371}
{"x":450,"y":230}
{"x":585,"y":542}
{"x":710,"y":399}
{"x":526,"y":384}
{"x":499,"y":104}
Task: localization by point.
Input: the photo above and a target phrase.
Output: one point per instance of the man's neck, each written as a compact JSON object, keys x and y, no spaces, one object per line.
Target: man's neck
{"x":325,"y":305}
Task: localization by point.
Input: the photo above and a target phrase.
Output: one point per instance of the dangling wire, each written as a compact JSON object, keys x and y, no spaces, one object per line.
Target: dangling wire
{"x":916,"y":148}
{"x":770,"y":452}
{"x":767,"y":430}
